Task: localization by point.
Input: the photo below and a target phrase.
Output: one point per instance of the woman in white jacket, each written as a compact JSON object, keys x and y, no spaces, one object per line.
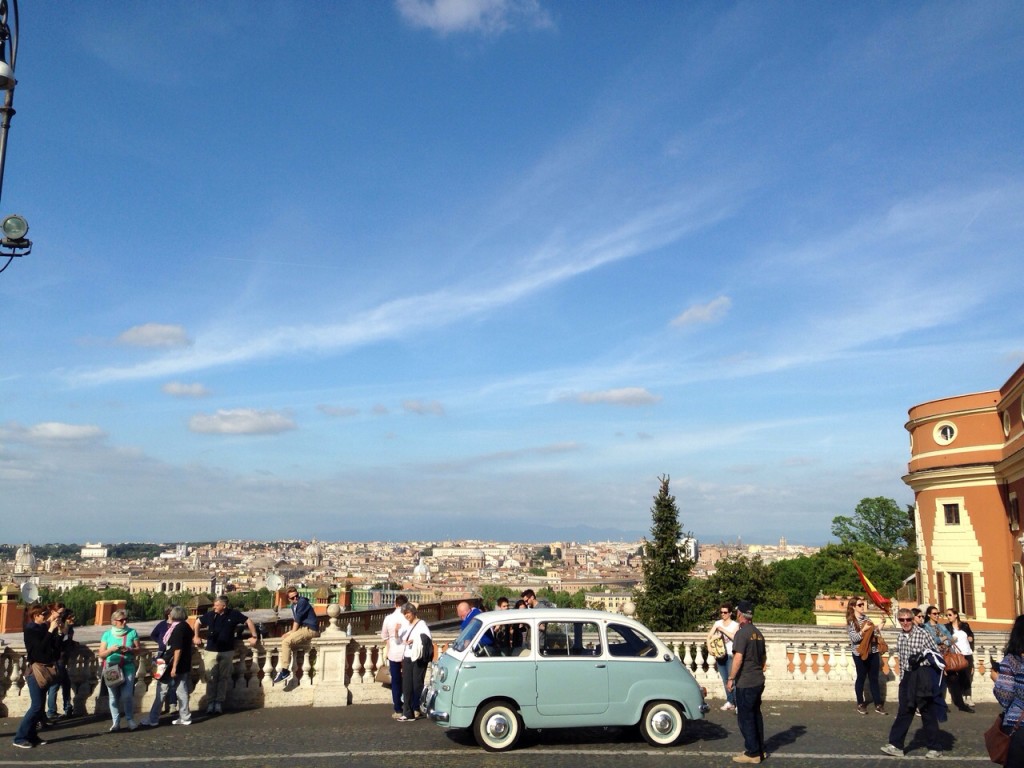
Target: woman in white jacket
{"x":414,"y":665}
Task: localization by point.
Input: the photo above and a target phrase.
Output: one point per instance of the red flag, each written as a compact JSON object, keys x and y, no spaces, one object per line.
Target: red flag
{"x":883,"y":603}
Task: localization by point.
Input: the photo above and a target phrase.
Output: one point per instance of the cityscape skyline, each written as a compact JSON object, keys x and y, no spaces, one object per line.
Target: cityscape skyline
{"x":429,"y":270}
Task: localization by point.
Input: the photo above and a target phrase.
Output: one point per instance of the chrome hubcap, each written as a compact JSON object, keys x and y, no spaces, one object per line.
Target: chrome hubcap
{"x":662,"y":723}
{"x":497,"y":726}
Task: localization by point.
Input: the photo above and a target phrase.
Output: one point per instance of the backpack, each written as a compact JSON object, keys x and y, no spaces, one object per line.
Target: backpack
{"x":428,"y":648}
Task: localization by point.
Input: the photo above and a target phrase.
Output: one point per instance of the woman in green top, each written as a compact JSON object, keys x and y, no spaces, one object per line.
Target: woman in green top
{"x":119,"y":646}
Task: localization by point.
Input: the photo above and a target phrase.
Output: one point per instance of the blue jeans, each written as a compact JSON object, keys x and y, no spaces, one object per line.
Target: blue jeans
{"x":395,"y":668}
{"x":723,"y":670}
{"x":867,"y":672}
{"x":748,"y":718}
{"x":27,"y":728}
{"x":122,"y":699}
{"x":64,"y":684}
{"x":177,"y":685}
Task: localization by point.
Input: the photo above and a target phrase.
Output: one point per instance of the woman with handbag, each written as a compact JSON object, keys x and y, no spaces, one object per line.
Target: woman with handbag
{"x":866,"y":658}
{"x":1009,"y":692}
{"x":42,"y":649}
{"x":963,"y":637}
{"x":118,"y":648}
{"x":720,"y":639}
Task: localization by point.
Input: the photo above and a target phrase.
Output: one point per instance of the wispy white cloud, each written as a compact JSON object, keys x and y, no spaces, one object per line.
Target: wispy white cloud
{"x":423,"y":408}
{"x":629,"y":396}
{"x":700,"y":314}
{"x":241,"y":421}
{"x":336,"y":411}
{"x":55,"y":430}
{"x":637,"y":234}
{"x":181,"y":389}
{"x":486,"y":16}
{"x":154,"y":335}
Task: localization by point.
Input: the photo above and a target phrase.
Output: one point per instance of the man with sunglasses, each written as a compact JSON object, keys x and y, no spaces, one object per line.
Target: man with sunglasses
{"x":304,"y":628}
{"x":913,"y":640}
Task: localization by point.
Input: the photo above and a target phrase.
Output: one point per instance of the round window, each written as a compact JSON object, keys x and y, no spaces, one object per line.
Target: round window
{"x":945,"y":432}
{"x":1006,"y":423}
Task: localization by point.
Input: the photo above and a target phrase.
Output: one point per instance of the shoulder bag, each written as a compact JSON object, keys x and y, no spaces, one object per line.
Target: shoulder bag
{"x":716,"y":647}
{"x":954,"y":660}
{"x":998,"y":743}
{"x":45,"y":674}
{"x":113,"y":675}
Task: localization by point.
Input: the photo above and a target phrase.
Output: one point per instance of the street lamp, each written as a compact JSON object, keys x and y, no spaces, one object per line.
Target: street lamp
{"x":14,"y":228}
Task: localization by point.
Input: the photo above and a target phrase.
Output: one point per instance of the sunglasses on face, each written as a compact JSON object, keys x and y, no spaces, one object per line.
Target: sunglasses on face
{"x":725,"y":613}
{"x":293,"y":597}
{"x":861,"y":605}
{"x":906,"y":620}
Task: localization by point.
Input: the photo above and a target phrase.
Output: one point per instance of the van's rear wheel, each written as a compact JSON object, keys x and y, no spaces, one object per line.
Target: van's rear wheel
{"x":497,"y":726}
{"x":662,"y":724}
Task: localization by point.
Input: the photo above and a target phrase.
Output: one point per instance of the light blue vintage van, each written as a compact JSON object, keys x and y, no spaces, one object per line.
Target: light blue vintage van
{"x":560,"y":668}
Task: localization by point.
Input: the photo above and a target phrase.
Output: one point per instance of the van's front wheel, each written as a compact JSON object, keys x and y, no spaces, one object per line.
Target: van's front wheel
{"x":497,"y":726}
{"x":662,"y":724}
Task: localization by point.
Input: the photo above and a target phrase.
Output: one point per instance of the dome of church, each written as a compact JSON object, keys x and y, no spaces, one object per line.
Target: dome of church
{"x":421,"y":572}
{"x":24,"y":560}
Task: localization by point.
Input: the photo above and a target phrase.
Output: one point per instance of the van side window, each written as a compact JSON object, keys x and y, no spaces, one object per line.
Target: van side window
{"x":626,"y":641}
{"x":571,"y":638}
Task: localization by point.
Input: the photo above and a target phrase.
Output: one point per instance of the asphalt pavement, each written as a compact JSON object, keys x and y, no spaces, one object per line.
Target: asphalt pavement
{"x":797,"y":733}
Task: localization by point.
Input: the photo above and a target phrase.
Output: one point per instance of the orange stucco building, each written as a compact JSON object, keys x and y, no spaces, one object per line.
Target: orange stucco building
{"x":967,"y":474}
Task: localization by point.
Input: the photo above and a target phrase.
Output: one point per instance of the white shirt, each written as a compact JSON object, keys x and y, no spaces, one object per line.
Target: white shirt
{"x":727,"y":632}
{"x":414,"y":650}
{"x":392,"y":630}
{"x":963,"y":643}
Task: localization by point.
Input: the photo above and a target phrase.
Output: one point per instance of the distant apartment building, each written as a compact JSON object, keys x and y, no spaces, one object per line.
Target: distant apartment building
{"x":93,"y":551}
{"x":173,"y":583}
{"x":967,"y":473}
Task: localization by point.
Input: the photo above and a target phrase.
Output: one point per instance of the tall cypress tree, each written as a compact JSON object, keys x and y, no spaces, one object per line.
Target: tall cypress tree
{"x":660,"y":603}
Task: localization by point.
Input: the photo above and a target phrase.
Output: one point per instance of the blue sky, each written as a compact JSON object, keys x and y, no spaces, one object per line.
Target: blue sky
{"x":487,"y":268}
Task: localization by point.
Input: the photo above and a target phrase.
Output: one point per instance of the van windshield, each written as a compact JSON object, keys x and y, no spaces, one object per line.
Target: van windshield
{"x":466,"y":635}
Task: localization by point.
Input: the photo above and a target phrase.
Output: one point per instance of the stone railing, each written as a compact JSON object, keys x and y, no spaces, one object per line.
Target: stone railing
{"x":338,"y":670}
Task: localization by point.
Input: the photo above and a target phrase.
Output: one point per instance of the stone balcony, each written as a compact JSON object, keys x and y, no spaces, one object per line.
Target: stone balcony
{"x":804,"y":664}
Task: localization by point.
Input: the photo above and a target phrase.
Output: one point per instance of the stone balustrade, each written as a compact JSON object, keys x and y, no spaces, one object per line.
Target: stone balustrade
{"x":338,"y":670}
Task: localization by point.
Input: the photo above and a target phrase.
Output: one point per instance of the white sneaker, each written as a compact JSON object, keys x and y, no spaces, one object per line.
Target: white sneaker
{"x":179,"y":721}
{"x":892,"y":749}
{"x":727,"y":706}
{"x":931,"y":754}
{"x":115,"y":727}
{"x":132,"y":725}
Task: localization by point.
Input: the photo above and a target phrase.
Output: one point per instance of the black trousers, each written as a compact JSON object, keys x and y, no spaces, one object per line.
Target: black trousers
{"x":413,"y":674}
{"x":905,"y":716}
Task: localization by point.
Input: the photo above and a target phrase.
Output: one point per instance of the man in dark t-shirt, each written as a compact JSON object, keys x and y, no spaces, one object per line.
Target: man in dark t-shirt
{"x":219,"y":657}
{"x":746,"y":678}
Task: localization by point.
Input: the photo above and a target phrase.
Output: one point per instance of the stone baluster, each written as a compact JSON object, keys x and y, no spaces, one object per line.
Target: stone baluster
{"x":267,"y":666}
{"x":357,"y":666}
{"x":307,"y":666}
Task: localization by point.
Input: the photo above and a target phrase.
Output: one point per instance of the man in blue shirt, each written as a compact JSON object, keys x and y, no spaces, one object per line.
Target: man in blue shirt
{"x":304,"y":628}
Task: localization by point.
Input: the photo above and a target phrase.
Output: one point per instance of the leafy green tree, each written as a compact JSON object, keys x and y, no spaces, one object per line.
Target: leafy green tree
{"x":879,"y":523}
{"x":661,"y":604}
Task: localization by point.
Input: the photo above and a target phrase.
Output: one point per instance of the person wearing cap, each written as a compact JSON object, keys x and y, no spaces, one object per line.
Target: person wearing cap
{"x":746,"y":681}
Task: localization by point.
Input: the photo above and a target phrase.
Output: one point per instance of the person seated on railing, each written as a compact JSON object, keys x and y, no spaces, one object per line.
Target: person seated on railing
{"x":304,"y":628}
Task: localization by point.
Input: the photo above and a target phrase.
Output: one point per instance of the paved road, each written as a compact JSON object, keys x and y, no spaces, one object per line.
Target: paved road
{"x":799,"y":734}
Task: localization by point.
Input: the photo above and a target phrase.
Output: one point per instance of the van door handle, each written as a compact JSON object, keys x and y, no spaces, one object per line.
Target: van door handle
{"x":600,"y":666}
{"x":469,"y":666}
